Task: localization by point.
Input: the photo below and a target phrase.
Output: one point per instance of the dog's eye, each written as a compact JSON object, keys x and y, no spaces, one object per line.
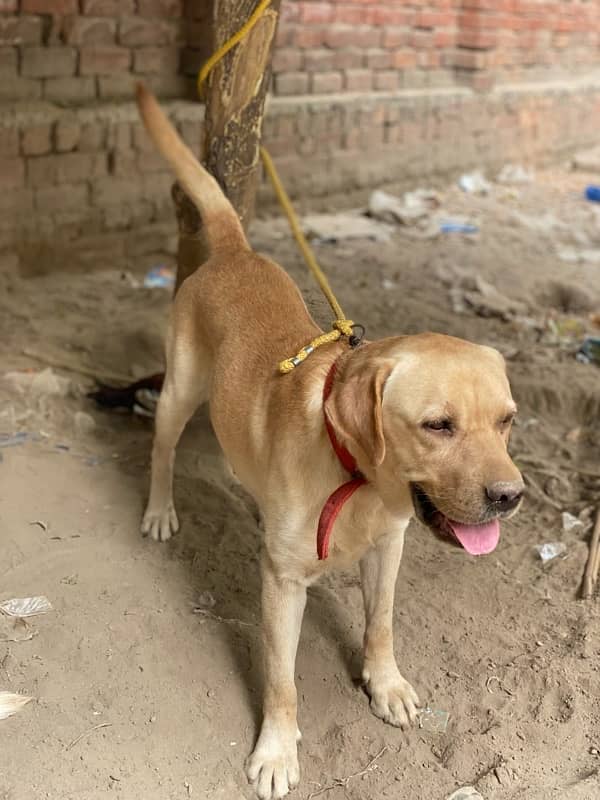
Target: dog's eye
{"x":507,"y":420}
{"x":439,"y":425}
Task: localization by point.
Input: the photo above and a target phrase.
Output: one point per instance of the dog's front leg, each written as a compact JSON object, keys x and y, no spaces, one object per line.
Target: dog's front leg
{"x":273,"y":765}
{"x":392,"y":698}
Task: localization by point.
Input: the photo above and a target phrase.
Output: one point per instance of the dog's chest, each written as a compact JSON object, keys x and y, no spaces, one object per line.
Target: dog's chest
{"x":361,"y":522}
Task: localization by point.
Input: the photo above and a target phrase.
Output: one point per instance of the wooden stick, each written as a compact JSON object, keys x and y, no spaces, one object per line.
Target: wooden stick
{"x":235,"y":92}
{"x":87,"y":733}
{"x":593,"y":563}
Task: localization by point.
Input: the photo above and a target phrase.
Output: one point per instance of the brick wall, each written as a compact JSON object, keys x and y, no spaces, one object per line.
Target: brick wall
{"x":361,"y":45}
{"x":79,"y":51}
{"x":366,"y":93}
{"x":75,"y":52}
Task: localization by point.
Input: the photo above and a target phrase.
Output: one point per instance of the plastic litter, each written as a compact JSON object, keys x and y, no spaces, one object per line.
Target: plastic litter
{"x":10,"y":703}
{"x":26,"y":606}
{"x":413,"y":211}
{"x":589,"y":352}
{"x":46,"y":382}
{"x":333,"y":228}
{"x":474,"y":183}
{"x":592,"y":193}
{"x":571,"y":523}
{"x":206,"y":600}
{"x":456,"y":226}
{"x":465,"y":793}
{"x":146,"y":401}
{"x":550,"y":550}
{"x":574,"y":256}
{"x":84,"y":422}
{"x":433,"y":720}
{"x":15,"y":439}
{"x":515,"y":173}
{"x":160,"y":277}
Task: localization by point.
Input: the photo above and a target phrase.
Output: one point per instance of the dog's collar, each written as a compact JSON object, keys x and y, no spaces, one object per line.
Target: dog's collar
{"x":335,"y":501}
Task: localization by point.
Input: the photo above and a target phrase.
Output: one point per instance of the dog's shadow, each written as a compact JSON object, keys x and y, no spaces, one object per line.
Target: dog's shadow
{"x":219,"y":547}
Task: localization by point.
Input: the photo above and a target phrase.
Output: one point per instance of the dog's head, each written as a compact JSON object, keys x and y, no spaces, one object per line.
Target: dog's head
{"x":428,"y":419}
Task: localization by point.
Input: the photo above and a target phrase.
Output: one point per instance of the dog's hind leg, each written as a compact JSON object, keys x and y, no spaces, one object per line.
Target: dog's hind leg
{"x":185,"y":388}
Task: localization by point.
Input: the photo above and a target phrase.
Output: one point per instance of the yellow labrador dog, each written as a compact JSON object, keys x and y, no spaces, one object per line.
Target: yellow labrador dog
{"x":421,"y":423}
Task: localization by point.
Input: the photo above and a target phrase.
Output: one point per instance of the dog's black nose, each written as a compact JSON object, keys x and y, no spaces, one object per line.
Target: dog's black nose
{"x":505,"y":495}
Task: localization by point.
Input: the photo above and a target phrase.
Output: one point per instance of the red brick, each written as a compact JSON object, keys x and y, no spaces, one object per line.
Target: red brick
{"x":120,"y":86}
{"x":348,"y":58}
{"x":160,"y":8}
{"x":429,"y":59}
{"x":104,"y":60}
{"x":443,"y":39}
{"x":290,"y":12}
{"x":349,"y":14}
{"x":108,"y":8}
{"x":168,"y":86}
{"x":48,"y":62}
{"x":67,"y":132}
{"x":70,"y":90}
{"x":89,"y":30}
{"x":290,"y":83}
{"x":466,"y":59}
{"x":477,"y":40}
{"x":421,"y":40}
{"x":471,"y":19}
{"x":36,"y":140}
{"x":386,"y":80}
{"x":156,"y":59}
{"x":404,"y":58}
{"x":136,"y":31}
{"x":12,"y":173}
{"x":358,"y":80}
{"x":313,"y":36}
{"x":326,"y":82}
{"x":62,"y":197}
{"x":9,"y":142}
{"x":287,"y":59}
{"x":432,"y":19}
{"x":319,"y":60}
{"x":491,"y":5}
{"x":316,"y":12}
{"x":391,"y":16}
{"x":379,"y":59}
{"x":8,"y":62}
{"x":20,"y":30}
{"x":49,"y":7}
{"x":15,"y":88}
{"x":92,"y":138}
{"x":394,"y":37}
{"x":65,"y":168}
{"x":285,"y":36}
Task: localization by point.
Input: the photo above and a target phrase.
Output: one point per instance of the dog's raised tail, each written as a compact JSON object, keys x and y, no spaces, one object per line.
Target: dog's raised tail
{"x":221,"y":224}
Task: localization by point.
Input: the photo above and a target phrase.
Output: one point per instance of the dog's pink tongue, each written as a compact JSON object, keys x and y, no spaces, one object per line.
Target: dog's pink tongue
{"x":477,"y":539}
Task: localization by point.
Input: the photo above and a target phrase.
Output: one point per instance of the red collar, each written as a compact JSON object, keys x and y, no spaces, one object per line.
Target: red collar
{"x":335,"y":501}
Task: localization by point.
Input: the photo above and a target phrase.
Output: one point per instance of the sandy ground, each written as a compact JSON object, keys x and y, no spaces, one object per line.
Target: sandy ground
{"x":168,"y":700}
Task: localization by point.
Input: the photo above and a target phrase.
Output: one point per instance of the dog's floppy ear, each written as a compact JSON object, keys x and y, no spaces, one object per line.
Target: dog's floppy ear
{"x":354,"y":408}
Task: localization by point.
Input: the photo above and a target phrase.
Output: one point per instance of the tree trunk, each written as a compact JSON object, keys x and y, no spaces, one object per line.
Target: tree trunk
{"x":235,"y":94}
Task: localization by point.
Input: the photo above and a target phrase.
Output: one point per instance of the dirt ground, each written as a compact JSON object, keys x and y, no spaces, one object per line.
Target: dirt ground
{"x":151,"y":654}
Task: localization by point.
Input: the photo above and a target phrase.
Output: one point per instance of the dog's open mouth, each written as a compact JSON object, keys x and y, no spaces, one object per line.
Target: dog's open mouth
{"x":477,"y":540}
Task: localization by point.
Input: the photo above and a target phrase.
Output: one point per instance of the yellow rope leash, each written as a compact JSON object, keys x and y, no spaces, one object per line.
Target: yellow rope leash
{"x":341,"y":326}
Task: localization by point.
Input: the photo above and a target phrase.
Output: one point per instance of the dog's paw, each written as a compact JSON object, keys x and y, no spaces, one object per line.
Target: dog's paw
{"x":393,"y":699}
{"x":160,"y":525}
{"x":273,"y":766}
